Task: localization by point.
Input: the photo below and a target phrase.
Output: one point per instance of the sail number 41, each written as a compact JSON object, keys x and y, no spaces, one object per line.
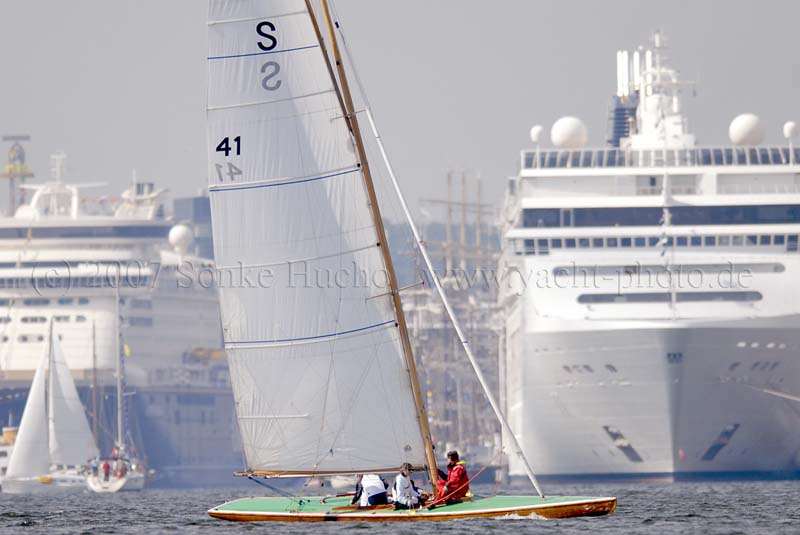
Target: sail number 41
{"x":225,"y":146}
{"x":232,"y":171}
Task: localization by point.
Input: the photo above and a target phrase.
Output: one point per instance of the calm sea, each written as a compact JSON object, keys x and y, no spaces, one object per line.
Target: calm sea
{"x":698,"y":507}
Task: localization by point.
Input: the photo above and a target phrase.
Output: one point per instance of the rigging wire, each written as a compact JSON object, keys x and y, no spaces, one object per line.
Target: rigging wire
{"x":273,"y":489}
{"x":423,"y":250}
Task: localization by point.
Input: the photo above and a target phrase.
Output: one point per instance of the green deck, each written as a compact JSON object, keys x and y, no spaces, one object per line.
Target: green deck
{"x":313,"y":505}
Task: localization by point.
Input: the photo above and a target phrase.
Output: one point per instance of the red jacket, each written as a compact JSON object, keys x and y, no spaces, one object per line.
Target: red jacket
{"x":457,"y":481}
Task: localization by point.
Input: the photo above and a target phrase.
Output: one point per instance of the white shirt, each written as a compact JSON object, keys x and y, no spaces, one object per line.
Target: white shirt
{"x":404,"y":491}
{"x":371,"y":484}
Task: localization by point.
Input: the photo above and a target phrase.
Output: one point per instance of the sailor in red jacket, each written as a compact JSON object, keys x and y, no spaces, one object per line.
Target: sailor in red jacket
{"x":457,"y":485}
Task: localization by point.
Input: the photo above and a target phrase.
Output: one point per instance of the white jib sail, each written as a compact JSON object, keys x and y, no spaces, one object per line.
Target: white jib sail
{"x":316,"y":362}
{"x":31,"y":454}
{"x":71,"y":439}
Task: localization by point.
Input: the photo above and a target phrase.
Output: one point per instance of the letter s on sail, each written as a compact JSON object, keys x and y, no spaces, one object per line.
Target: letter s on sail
{"x":260,"y":31}
{"x":274,"y":69}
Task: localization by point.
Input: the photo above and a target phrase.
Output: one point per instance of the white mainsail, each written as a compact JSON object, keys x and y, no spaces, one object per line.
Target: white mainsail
{"x":71,"y":439}
{"x":31,"y":454}
{"x":317,"y":365}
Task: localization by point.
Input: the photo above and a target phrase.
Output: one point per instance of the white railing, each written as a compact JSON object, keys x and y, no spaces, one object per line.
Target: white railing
{"x":700,"y":156}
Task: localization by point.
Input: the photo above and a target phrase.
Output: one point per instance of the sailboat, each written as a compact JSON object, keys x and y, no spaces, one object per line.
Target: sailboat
{"x":124,"y":471}
{"x":323,"y":374}
{"x":54,"y":441}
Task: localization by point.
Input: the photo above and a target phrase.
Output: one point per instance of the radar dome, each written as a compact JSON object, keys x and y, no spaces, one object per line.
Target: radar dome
{"x":181,"y":238}
{"x":536,"y":133}
{"x":568,"y":133}
{"x":746,"y":129}
{"x":789,"y":129}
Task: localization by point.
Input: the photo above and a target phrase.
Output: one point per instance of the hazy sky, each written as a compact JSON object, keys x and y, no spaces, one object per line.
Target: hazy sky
{"x":120,"y":84}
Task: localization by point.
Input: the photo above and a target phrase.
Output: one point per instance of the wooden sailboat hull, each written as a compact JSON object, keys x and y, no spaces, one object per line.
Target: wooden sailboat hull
{"x":315,"y":510}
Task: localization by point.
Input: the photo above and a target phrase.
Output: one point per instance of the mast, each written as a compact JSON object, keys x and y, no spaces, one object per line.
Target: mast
{"x":350,"y":113}
{"x":94,"y":383}
{"x":120,"y":399}
{"x":49,"y":390}
{"x":517,"y":449}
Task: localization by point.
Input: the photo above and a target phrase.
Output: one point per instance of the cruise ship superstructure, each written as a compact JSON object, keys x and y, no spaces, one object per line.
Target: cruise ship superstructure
{"x":62,"y":259}
{"x":650,"y":293}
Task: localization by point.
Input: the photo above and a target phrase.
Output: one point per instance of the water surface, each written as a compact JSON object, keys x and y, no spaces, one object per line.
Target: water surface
{"x":644,"y":507}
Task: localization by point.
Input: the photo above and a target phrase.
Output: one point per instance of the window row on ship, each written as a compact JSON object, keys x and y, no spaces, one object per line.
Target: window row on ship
{"x":43,"y":301}
{"x":131,"y":321}
{"x":62,"y":318}
{"x":46,"y":282}
{"x":145,"y":304}
{"x":543,"y":246}
{"x":769,"y":214}
{"x":105,"y":231}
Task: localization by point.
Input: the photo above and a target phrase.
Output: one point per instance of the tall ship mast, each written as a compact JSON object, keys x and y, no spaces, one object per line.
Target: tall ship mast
{"x":652,"y":309}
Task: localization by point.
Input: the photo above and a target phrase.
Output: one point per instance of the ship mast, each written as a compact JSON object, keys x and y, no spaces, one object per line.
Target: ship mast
{"x":352,"y":120}
{"x":120,"y":398}
{"x":94,"y":384}
{"x":49,"y":389}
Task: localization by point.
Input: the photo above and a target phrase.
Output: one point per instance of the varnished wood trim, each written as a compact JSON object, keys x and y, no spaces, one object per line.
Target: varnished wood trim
{"x":568,"y":510}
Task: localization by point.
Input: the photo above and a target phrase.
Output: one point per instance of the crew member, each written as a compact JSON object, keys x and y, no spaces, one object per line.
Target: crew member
{"x":456,"y":487}
{"x":373,"y":490}
{"x":406,"y":495}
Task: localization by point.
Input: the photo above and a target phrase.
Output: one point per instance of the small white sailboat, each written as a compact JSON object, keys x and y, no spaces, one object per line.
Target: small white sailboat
{"x":122,"y":471}
{"x":54,"y":441}
{"x":322,"y":369}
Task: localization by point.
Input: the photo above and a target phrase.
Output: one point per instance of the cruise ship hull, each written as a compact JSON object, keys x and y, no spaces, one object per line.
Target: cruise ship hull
{"x":660,"y":398}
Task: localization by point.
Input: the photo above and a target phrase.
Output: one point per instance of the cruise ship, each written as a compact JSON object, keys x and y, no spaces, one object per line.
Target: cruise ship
{"x":74,"y":261}
{"x":650,"y":293}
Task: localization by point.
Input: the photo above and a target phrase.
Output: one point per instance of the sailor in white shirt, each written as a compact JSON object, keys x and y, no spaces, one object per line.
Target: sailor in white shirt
{"x":406,"y":496}
{"x":372,"y":491}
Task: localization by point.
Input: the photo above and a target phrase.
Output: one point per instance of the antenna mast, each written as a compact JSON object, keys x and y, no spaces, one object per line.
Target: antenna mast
{"x":16,"y":169}
{"x":120,"y":393}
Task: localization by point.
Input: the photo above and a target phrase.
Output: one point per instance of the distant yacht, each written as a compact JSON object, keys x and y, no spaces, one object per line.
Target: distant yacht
{"x":652,"y":310}
{"x":122,"y":471}
{"x":54,"y":441}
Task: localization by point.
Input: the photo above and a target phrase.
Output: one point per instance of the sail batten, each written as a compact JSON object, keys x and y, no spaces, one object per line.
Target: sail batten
{"x":258,"y":17}
{"x":310,"y":339}
{"x":315,"y":336}
{"x":297,"y":260}
{"x":249,"y":54}
{"x":279,"y":182}
{"x":266,"y":102}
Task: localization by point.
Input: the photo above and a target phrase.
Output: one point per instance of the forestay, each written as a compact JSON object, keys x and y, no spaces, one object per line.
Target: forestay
{"x":71,"y":439}
{"x":31,"y":455}
{"x":319,"y":377}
